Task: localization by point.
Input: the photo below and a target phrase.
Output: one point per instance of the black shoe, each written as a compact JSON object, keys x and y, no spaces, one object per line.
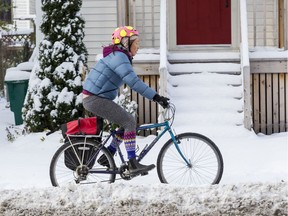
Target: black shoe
{"x":136,"y":168}
{"x":104,"y":161}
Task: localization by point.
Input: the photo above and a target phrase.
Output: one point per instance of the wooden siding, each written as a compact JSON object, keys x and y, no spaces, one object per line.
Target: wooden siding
{"x":262,"y":23}
{"x":281,"y":23}
{"x":147,"y":21}
{"x":100,"y":20}
{"x":32,"y":7}
{"x":21,"y":10}
{"x":270,"y":101}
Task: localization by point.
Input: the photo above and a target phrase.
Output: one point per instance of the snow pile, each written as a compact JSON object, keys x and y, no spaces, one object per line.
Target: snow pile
{"x":157,"y":199}
{"x":208,"y":103}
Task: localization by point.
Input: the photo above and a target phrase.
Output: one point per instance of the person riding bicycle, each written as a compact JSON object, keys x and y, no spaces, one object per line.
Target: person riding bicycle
{"x":101,"y":88}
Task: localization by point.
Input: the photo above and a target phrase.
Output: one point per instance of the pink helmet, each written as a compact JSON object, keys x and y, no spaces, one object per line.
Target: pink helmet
{"x":122,"y":32}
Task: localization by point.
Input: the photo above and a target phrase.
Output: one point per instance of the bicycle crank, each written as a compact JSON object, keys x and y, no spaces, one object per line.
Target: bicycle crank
{"x":124,"y":172}
{"x":126,"y":175}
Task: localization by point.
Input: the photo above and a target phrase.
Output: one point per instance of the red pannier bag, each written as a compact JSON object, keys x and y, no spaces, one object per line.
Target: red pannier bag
{"x":86,"y":153}
{"x":82,"y":126}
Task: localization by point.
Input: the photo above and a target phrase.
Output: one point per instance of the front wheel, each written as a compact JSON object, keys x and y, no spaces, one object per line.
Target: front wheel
{"x":205,"y":162}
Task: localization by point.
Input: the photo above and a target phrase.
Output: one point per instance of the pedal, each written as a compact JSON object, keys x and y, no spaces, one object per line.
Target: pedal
{"x":144,"y":173}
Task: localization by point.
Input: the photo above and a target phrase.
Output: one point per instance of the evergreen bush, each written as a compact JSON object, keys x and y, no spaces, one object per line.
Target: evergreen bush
{"x":54,"y":93}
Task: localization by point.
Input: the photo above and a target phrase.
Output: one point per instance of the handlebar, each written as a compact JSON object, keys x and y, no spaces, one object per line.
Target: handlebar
{"x":168,"y":114}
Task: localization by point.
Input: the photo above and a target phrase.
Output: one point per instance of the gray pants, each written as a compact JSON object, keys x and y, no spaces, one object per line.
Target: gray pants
{"x":111,"y":111}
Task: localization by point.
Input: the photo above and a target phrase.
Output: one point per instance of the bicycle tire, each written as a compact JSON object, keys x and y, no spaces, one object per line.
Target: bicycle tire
{"x":61,"y":175}
{"x":206,"y":161}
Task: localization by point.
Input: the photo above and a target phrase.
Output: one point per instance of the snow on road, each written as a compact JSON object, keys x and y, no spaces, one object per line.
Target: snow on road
{"x":159,"y":199}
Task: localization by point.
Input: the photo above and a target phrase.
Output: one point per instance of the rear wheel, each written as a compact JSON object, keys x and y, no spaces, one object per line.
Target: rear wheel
{"x":205,"y":161}
{"x":76,"y":162}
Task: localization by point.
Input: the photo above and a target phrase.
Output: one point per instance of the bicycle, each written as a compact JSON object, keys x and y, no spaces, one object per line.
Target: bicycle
{"x":185,"y":159}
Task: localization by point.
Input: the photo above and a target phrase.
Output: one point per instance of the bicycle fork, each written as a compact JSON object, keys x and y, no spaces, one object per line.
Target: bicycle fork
{"x":176,"y":144}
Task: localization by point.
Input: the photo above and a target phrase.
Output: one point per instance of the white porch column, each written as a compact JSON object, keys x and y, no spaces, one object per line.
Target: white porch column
{"x":38,"y":21}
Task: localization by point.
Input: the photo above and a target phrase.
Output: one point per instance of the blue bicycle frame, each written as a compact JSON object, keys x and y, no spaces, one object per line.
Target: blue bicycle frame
{"x":147,"y":148}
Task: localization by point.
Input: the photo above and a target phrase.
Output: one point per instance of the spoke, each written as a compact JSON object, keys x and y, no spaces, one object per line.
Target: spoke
{"x":203,"y":158}
{"x":66,"y":167}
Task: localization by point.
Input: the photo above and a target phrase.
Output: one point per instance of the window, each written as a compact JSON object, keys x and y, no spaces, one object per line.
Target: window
{"x":6,"y":11}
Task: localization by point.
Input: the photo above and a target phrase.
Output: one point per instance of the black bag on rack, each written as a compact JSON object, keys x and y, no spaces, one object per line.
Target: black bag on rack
{"x":85,"y":153}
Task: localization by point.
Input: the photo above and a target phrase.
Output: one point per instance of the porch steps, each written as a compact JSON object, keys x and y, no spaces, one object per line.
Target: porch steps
{"x":208,"y":95}
{"x":204,"y":57}
{"x":188,"y":68}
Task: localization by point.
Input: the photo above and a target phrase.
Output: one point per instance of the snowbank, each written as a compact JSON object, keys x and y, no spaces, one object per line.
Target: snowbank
{"x":159,"y":199}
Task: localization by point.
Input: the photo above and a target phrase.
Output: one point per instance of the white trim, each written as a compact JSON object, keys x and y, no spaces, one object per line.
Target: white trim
{"x":245,"y":65}
{"x":234,"y":31}
{"x":163,"y":68}
{"x":39,"y":15}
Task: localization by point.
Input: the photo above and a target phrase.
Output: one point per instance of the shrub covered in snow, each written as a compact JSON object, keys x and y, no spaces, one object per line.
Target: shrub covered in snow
{"x":124,"y":101}
{"x":54,"y":93}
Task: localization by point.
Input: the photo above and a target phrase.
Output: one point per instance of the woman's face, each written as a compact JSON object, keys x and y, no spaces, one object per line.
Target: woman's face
{"x":134,"y":47}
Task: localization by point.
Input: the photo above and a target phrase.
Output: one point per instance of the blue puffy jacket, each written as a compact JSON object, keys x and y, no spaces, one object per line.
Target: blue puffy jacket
{"x":112,"y":72}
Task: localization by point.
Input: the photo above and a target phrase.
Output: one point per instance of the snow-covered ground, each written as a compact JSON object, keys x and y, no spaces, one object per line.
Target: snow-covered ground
{"x":143,"y":199}
{"x":254,"y":180}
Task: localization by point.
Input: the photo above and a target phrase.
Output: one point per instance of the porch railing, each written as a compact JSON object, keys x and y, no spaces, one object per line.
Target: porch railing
{"x":163,"y":49}
{"x":245,"y":65}
{"x":14,"y":49}
{"x":163,"y":67}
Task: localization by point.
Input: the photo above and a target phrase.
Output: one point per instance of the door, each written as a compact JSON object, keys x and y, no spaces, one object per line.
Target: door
{"x":203,"y":22}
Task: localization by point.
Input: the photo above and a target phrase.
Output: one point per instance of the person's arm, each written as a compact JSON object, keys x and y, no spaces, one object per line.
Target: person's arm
{"x":123,"y":68}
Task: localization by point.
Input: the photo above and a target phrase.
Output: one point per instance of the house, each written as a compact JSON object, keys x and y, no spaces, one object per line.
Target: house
{"x":16,"y":35}
{"x":20,"y":14}
{"x":249,"y":35}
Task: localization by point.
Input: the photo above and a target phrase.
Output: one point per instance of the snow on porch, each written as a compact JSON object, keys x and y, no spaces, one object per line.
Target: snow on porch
{"x":207,"y":95}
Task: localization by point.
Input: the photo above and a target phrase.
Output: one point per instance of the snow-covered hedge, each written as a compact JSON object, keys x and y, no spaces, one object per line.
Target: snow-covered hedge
{"x":159,"y":199}
{"x":54,"y":94}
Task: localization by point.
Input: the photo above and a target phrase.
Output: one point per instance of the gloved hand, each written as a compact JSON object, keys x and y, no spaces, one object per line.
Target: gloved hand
{"x":163,"y":101}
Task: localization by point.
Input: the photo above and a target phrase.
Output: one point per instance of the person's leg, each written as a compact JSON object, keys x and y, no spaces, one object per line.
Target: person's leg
{"x":107,"y":109}
{"x":112,"y":148}
{"x":130,"y":143}
{"x":116,"y":141}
